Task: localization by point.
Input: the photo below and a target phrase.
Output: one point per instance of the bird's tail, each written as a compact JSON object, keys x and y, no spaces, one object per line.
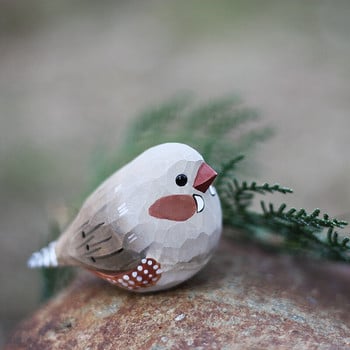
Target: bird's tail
{"x":45,"y":257}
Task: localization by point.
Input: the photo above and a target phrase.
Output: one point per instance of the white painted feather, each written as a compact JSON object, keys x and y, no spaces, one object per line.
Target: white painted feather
{"x":45,"y":257}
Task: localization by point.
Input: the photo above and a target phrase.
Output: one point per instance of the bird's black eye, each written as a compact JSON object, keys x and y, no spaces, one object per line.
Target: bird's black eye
{"x":181,"y":180}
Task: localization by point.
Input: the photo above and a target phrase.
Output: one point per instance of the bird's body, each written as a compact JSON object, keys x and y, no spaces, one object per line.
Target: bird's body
{"x":153,"y":224}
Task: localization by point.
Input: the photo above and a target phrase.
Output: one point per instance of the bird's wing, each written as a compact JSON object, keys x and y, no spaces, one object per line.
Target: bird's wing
{"x":95,"y":240}
{"x":98,"y":246}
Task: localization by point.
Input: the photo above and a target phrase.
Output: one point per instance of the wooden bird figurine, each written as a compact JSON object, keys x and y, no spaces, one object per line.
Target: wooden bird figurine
{"x":150,"y":226}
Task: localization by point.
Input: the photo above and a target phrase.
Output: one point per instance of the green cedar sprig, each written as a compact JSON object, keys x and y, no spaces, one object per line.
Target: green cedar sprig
{"x":301,"y":218}
{"x":333,"y":240}
{"x":300,"y":231}
{"x":219,"y":130}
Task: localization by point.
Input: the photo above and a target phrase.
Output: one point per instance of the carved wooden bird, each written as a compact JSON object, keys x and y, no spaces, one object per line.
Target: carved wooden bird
{"x":150,"y":226}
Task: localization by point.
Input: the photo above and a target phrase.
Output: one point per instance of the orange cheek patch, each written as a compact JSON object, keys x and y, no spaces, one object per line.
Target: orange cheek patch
{"x":146,"y":274}
{"x":177,"y":207}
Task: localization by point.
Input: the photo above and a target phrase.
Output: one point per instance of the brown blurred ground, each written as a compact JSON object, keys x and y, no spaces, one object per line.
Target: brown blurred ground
{"x":244,"y":299}
{"x":72,"y":76}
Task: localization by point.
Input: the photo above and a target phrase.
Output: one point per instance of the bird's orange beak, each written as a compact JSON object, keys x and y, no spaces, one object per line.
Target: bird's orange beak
{"x":204,"y":178}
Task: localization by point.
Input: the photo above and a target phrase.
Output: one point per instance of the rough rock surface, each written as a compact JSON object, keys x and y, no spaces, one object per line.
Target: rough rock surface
{"x":245,"y":298}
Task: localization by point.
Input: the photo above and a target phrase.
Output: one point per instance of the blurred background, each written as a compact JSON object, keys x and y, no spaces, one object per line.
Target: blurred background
{"x":72,"y":74}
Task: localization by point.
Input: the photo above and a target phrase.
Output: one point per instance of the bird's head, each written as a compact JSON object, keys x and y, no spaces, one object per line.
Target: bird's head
{"x":187,"y":183}
{"x":173,"y":212}
{"x":179,"y":179}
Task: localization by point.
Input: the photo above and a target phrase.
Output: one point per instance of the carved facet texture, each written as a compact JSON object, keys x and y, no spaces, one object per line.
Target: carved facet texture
{"x":161,"y":207}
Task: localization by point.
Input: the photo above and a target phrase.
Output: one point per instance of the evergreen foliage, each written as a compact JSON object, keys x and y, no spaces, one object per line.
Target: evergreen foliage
{"x":221,"y":131}
{"x":298,"y":231}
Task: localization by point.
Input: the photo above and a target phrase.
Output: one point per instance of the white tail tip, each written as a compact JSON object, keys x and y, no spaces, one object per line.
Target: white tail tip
{"x":45,"y":257}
